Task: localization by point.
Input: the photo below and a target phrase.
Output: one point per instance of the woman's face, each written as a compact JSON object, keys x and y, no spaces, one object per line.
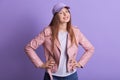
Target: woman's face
{"x":64,"y":15}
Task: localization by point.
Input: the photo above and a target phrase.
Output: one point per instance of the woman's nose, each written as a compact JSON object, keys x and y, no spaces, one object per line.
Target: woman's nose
{"x":65,"y":14}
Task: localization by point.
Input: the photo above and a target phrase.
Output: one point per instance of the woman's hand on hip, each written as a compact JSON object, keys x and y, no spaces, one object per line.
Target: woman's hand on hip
{"x":48,"y":65}
{"x":76,"y":65}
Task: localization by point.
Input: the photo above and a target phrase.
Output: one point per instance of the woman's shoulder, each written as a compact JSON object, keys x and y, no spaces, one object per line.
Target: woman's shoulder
{"x":47,"y":31}
{"x":75,"y":28}
{"x":47,"y":28}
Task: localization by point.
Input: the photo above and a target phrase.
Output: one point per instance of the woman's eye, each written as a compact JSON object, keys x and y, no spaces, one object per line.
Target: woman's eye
{"x":66,"y":11}
{"x":60,"y":13}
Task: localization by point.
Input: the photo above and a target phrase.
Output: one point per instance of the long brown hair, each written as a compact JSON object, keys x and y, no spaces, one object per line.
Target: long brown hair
{"x":54,"y":24}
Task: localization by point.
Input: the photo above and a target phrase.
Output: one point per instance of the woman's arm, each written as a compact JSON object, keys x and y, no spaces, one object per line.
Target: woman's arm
{"x":88,"y":47}
{"x":32,"y":46}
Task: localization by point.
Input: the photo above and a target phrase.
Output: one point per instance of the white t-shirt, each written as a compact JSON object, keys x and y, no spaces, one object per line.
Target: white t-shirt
{"x":62,"y":72}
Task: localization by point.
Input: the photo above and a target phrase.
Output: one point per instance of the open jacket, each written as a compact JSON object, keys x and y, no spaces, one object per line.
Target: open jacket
{"x":44,"y":38}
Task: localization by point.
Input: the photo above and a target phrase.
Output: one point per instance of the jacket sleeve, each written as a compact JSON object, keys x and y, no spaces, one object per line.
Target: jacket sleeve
{"x":32,"y":46}
{"x":88,"y":47}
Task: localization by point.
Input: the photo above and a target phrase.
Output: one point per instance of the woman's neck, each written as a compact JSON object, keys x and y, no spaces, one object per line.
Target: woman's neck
{"x":63,"y":27}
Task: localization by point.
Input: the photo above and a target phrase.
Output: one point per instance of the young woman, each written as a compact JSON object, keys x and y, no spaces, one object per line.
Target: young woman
{"x":60,"y":40}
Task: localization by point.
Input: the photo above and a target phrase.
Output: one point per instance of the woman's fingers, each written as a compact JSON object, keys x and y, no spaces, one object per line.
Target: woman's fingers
{"x":50,"y":64}
{"x":75,"y":64}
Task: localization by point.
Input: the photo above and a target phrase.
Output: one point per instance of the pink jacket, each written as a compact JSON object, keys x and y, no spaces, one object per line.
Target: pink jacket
{"x":44,"y":38}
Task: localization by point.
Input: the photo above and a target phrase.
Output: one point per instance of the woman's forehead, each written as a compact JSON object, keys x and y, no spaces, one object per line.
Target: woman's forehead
{"x":64,"y":9}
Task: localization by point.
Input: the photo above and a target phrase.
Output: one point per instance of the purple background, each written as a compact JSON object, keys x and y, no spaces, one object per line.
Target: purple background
{"x":22,"y":20}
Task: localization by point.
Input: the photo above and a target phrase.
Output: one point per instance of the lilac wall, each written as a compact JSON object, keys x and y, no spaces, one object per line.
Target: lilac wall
{"x":21,"y":20}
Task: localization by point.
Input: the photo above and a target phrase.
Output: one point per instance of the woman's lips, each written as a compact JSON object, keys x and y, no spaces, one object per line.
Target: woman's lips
{"x":65,"y":18}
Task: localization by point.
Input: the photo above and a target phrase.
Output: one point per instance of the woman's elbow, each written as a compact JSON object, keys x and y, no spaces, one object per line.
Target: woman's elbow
{"x":92,"y":49}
